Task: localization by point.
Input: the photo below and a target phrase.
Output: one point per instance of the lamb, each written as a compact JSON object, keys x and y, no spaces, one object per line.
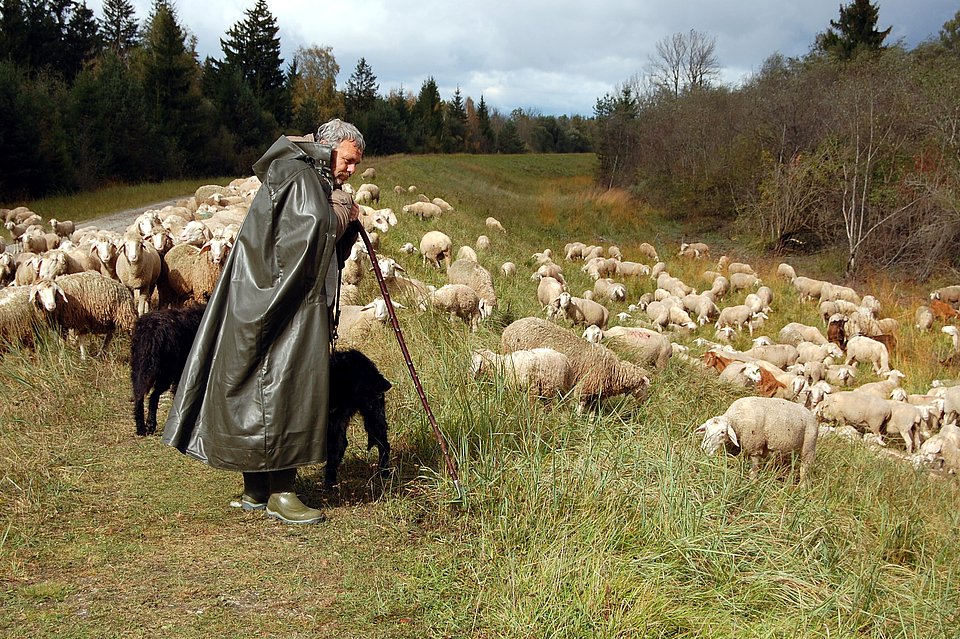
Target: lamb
{"x":493,"y":224}
{"x":581,"y":311}
{"x":906,"y":420}
{"x":597,"y":371}
{"x":508,"y":268}
{"x":354,"y":322}
{"x":786,"y":271}
{"x":837,"y":330}
{"x":743,"y":281}
{"x":743,"y":374}
{"x":734,"y":316}
{"x":459,"y":300}
{"x":424,"y":210}
{"x":445,"y":206}
{"x":863,"y":411}
{"x":475,"y":276}
{"x":188,"y":274}
{"x":482,"y":243}
{"x":648,"y":251}
{"x":90,"y":304}
{"x":644,"y":346}
{"x":159,"y":347}
{"x":608,"y":289}
{"x":760,"y":426}
{"x":138,"y":268}
{"x":865,"y":349}
{"x":574,"y":251}
{"x":434,"y":246}
{"x":542,"y":372}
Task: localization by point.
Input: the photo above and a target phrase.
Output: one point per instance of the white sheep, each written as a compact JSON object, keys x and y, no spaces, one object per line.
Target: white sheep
{"x":369,"y":173}
{"x":864,"y":411}
{"x":954,"y":334}
{"x":863,"y":349}
{"x":408,"y":248}
{"x":780,"y":355}
{"x":574,"y":251}
{"x":647,"y":250}
{"x":424,"y":210}
{"x":907,"y":421}
{"x":840,"y":374}
{"x":807,"y":288}
{"x":759,"y":426}
{"x":19,"y":317}
{"x":355,"y":322}
{"x":549,"y":269}
{"x":138,"y":268}
{"x":581,"y":311}
{"x":482,"y":243}
{"x":885,"y":387}
{"x":445,"y":206}
{"x":493,"y":224}
{"x":948,"y":294}
{"x":62,"y":229}
{"x":643,"y":345}
{"x":436,"y":246}
{"x":811,"y":352}
{"x":743,"y":281}
{"x":467,"y":253}
{"x":87,"y":303}
{"x":475,"y":276}
{"x":627,"y":268}
{"x":943,"y":449}
{"x":795,"y":332}
{"x":191,"y":273}
{"x":400,"y":285}
{"x":548,"y":290}
{"x":367,"y":192}
{"x":734,"y":317}
{"x":786,"y":271}
{"x":458,"y":300}
{"x":542,"y":372}
{"x":606,"y":288}
{"x":597,"y":371}
{"x":508,"y":268}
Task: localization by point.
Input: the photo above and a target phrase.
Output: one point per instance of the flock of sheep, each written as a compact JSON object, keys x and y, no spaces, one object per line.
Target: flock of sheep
{"x":802,"y":385}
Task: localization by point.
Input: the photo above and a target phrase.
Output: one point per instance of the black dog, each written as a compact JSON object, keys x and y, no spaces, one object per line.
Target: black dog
{"x":161,"y":342}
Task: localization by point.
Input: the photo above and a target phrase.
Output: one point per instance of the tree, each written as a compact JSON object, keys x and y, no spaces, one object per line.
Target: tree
{"x":487,"y":141}
{"x":428,"y":118}
{"x":81,"y":39}
{"x":616,"y":140}
{"x":253,"y":47}
{"x":950,"y":35}
{"x":360,"y":93}
{"x":118,"y":26}
{"x":14,"y":32}
{"x":455,"y":125}
{"x":509,"y":139}
{"x":314,"y":96}
{"x":854,"y":32}
{"x":684,"y":62}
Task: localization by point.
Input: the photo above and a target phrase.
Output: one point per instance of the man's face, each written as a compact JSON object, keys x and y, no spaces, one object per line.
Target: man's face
{"x":346,"y":160}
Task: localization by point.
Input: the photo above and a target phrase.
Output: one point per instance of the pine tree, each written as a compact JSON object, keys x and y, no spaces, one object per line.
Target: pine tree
{"x":360,"y":93}
{"x":428,"y":117}
{"x":950,"y":34}
{"x":455,"y":125}
{"x":854,"y":32}
{"x":81,"y":40}
{"x":509,"y":139}
{"x":118,"y":26}
{"x":14,"y":32}
{"x":487,"y":137}
{"x":253,"y":47}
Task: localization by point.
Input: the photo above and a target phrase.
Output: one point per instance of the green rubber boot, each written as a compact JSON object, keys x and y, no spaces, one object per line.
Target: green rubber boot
{"x":284,"y":504}
{"x":256,"y":491}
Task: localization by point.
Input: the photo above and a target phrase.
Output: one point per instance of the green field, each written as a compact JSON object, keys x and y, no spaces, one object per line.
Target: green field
{"x":610,"y":523}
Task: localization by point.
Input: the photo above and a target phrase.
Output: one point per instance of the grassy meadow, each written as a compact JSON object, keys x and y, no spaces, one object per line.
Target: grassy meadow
{"x":611,"y":523}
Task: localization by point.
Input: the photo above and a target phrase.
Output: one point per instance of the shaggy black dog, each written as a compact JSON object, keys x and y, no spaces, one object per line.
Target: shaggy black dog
{"x":161,"y":342}
{"x":355,"y":386}
{"x":159,"y":347}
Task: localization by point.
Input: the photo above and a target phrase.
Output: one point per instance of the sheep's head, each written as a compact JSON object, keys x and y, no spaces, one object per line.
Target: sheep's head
{"x":716,"y":433}
{"x":752,"y":372}
{"x":485,"y":308}
{"x":593,"y":334}
{"x":763,"y":340}
{"x":480,"y":361}
{"x":45,"y":293}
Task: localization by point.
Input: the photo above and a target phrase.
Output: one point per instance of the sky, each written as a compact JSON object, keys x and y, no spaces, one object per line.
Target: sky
{"x":548,"y":57}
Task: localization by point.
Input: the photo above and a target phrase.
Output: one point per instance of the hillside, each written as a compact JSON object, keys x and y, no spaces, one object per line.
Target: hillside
{"x":610,"y":523}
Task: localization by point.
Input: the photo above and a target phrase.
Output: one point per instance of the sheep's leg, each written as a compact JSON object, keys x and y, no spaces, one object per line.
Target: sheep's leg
{"x":754,"y":466}
{"x":907,"y":440}
{"x":106,"y":342}
{"x":375,"y":423}
{"x":336,"y":446}
{"x":153,"y":405}
{"x":138,"y":417}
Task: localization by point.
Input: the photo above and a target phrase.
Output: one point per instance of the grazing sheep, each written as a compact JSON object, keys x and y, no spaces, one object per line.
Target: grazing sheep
{"x":475,"y":276}
{"x":483,"y":243}
{"x":369,"y":173}
{"x":954,"y":334}
{"x":89,"y":303}
{"x":695,"y":250}
{"x":863,"y":411}
{"x":19,"y":317}
{"x":581,"y":311}
{"x":643,"y":345}
{"x":830,"y":291}
{"x":632,"y":269}
{"x":648,"y":251}
{"x":810,"y":352}
{"x":372,"y":189}
{"x":866,"y":349}
{"x":883,"y":388}
{"x":549,"y":269}
{"x":840,"y":374}
{"x":808,"y":288}
{"x":542,"y":372}
{"x":445,"y":206}
{"x":436,"y":246}
{"x":743,"y":281}
{"x":786,"y":271}
{"x":459,"y":300}
{"x":780,"y":355}
{"x":574,"y":251}
{"x":159,"y":348}
{"x":734,"y":316}
{"x":467,"y":253}
{"x":906,"y":420}
{"x":508,"y":268}
{"x":606,"y":288}
{"x":548,"y":290}
{"x":424,"y":210}
{"x":948,"y":294}
{"x":943,"y":449}
{"x":597,"y":371}
{"x":493,"y":224}
{"x":354,"y":322}
{"x":795,"y":332}
{"x":760,"y":426}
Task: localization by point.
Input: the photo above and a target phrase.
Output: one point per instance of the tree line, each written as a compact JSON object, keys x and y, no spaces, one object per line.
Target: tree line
{"x":92,"y":100}
{"x":854,"y":145}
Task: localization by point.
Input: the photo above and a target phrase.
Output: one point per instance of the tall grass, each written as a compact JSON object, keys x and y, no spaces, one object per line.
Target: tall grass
{"x":610,"y":523}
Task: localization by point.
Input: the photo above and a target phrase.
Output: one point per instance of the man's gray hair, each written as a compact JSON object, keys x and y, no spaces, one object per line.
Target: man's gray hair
{"x":336,"y":131}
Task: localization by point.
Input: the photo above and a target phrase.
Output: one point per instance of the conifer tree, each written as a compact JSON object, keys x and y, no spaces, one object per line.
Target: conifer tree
{"x":360,"y":93}
{"x":82,"y":40}
{"x":118,"y":26}
{"x":855,"y":31}
{"x":487,"y":137}
{"x":253,"y":47}
{"x":455,"y":125}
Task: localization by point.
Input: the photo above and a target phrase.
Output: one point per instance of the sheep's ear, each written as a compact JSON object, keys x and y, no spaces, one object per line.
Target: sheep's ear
{"x":204,"y":248}
{"x":400,"y":268}
{"x":732,"y":434}
{"x":62,"y":294}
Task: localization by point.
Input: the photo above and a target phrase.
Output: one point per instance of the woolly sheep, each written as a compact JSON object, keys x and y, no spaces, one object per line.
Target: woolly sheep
{"x":734,"y":316}
{"x":606,"y":288}
{"x":807,"y":288}
{"x":508,"y":268}
{"x":424,"y":210}
{"x":138,"y":268}
{"x":493,"y":224}
{"x":759,"y":426}
{"x":864,"y":349}
{"x":704,"y":307}
{"x":63,"y":229}
{"x":786,"y":271}
{"x":830,"y":291}
{"x":696,"y":250}
{"x":189,"y":274}
{"x":744,"y":374}
{"x":648,"y":251}
{"x":482,"y":243}
{"x":369,"y":173}
{"x":643,"y":346}
{"x":87,"y":303}
{"x":459,"y":300}
{"x":475,"y":276}
{"x":581,"y":311}
{"x":795,"y":332}
{"x":597,"y":371}
{"x":573,"y":251}
{"x":548,"y":290}
{"x":948,"y":294}
{"x":863,"y":411}
{"x":542,"y":372}
{"x":906,"y":420}
{"x":19,"y":317}
{"x":353,"y":268}
{"x":549,"y":270}
{"x":436,"y":246}
{"x":399,"y":285}
{"x":943,"y":448}
{"x":811,"y":352}
{"x":743,"y":281}
{"x":467,"y":253}
{"x":632,"y":269}
{"x":885,"y":387}
{"x":355,"y":322}
{"x":368,"y":187}
{"x":840,"y":374}
{"x":780,"y":355}
{"x":954,"y":334}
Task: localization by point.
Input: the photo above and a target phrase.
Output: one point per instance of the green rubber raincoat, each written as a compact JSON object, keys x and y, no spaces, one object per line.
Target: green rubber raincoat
{"x":254,"y":393}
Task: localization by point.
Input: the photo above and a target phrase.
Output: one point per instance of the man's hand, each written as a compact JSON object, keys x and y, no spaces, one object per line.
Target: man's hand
{"x":354,"y":212}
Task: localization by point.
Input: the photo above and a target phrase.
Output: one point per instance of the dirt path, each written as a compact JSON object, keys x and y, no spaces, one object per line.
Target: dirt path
{"x":120,"y":220}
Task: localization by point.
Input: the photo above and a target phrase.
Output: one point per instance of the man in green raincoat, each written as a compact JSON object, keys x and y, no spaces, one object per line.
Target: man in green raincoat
{"x":253,"y":396}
